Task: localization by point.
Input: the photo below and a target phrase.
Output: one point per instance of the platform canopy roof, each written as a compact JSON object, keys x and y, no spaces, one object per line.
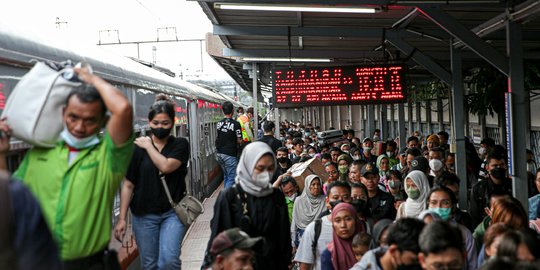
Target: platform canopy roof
{"x":418,"y":32}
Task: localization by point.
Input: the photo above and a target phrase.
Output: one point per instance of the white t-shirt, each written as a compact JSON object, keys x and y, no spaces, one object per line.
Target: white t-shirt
{"x":304,"y":253}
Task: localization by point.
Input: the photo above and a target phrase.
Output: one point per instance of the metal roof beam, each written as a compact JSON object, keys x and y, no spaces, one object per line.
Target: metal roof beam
{"x":299,"y":53}
{"x":422,"y":59}
{"x":467,"y":3}
{"x":243,"y":30}
{"x":475,"y":43}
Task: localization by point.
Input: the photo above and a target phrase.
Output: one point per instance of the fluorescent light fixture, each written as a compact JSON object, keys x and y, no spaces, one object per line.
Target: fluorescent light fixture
{"x":284,"y":59}
{"x":295,"y":8}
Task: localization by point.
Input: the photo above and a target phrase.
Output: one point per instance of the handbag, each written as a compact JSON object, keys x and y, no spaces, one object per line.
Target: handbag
{"x":188,"y":209}
{"x":34,"y":108}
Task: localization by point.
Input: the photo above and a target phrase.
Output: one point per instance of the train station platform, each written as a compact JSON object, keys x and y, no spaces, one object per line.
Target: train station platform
{"x":197,"y":236}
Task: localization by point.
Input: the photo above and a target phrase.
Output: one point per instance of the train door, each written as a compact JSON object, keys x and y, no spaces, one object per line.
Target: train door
{"x":195,"y":162}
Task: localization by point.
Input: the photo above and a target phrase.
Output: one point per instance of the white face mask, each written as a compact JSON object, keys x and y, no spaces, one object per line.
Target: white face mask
{"x":311,"y":155}
{"x":390,"y":154}
{"x":356,"y":157}
{"x":76,"y":142}
{"x":292,"y":197}
{"x":262,"y":179}
{"x":481,"y":150}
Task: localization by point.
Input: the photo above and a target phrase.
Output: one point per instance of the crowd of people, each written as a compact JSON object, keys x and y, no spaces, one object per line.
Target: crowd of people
{"x":378,"y":206}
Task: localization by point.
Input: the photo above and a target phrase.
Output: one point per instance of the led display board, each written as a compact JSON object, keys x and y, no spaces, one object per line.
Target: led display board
{"x":348,"y":85}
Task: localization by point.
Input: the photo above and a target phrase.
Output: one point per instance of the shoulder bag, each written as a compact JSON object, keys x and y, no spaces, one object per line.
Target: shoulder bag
{"x":188,"y":209}
{"x":34,"y":108}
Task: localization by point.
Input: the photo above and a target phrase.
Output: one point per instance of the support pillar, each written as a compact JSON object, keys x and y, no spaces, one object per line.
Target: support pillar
{"x":410,"y":118}
{"x":392,"y":131}
{"x":254,"y":102}
{"x":457,"y":123}
{"x":277,"y":123}
{"x":428,"y":117}
{"x":370,"y":121}
{"x":518,"y":114}
{"x":440,"y":115}
{"x":383,"y":122}
{"x":402,"y":133}
{"x":419,"y":117}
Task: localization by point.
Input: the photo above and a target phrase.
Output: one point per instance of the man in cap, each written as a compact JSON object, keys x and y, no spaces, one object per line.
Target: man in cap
{"x":381,"y":203}
{"x":233,"y":249}
{"x":421,"y":163}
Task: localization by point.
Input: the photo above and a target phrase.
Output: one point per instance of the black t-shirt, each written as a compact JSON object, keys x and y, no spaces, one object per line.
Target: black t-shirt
{"x":228,"y":131}
{"x":149,"y":195}
{"x":272,"y":142}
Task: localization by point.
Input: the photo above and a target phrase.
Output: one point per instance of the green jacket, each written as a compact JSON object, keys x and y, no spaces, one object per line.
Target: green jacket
{"x":77,"y":198}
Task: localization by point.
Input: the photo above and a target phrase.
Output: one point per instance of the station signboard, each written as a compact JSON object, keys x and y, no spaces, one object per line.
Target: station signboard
{"x":347,"y":85}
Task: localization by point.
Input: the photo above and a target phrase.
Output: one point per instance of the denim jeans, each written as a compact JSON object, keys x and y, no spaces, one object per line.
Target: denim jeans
{"x":159,"y":239}
{"x":228,"y":165}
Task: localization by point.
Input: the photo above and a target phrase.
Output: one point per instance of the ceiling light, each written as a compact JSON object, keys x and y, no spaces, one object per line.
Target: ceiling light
{"x":285,"y":59}
{"x":295,"y":8}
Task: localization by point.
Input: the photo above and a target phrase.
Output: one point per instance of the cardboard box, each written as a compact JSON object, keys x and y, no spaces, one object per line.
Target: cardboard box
{"x":300,"y":171}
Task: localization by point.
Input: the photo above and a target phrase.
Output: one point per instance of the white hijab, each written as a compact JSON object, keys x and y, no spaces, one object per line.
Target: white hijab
{"x":246,"y":165}
{"x":413,"y":208}
{"x":308,"y":207}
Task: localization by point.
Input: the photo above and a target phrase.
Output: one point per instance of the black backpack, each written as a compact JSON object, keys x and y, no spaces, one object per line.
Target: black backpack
{"x":7,"y":227}
{"x":318,"y":228}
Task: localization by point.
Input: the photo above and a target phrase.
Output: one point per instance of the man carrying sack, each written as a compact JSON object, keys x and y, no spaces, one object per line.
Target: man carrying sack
{"x":76,"y":180}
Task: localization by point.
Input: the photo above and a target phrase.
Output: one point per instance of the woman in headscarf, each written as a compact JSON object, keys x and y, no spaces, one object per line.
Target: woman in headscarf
{"x":307,"y":207}
{"x":383,"y":164}
{"x":378,"y":238}
{"x":344,"y":161}
{"x":339,"y":253}
{"x":256,"y":208}
{"x":417,"y":189}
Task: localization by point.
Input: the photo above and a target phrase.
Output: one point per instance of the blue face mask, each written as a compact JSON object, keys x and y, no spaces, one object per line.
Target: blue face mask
{"x":76,"y":142}
{"x":444,"y":213}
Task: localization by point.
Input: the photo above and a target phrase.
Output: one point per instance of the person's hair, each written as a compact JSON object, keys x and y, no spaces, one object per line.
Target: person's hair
{"x":444,"y":189}
{"x":297,"y":141}
{"x":405,"y":233}
{"x":377,"y":130}
{"x":288,"y":179}
{"x":326,"y":156}
{"x":488,"y":142}
{"x":332,"y":149}
{"x":412,"y":138}
{"x":162,"y":105}
{"x":87,"y":94}
{"x":331,"y":164}
{"x":446,"y":179}
{"x":391,"y":143}
{"x":511,"y":240}
{"x":397,"y":174}
{"x":438,"y":149}
{"x":509,"y":211}
{"x":415,"y":152}
{"x":268,"y":126}
{"x":282,"y":149}
{"x":495,"y":155}
{"x":493,"y":231}
{"x":345,"y":157}
{"x":358,"y":163}
{"x":249,"y":110}
{"x":240,"y":109}
{"x":439,"y":236}
{"x":227,"y":107}
{"x":361,"y":239}
{"x":498,"y":264}
{"x":359,"y":185}
{"x":338,"y":184}
{"x":444,"y":134}
{"x":351,"y":131}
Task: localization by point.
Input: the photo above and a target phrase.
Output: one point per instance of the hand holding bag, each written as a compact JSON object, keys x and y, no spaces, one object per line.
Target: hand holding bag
{"x":34,"y":108}
{"x":188,"y":209}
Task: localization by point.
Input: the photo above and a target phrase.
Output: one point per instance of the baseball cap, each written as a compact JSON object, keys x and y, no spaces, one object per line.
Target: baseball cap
{"x":234,"y":238}
{"x":403,"y":151}
{"x":420,"y":163}
{"x":369,"y":168}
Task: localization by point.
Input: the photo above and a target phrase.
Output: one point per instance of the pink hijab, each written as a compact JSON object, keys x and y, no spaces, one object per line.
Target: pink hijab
{"x":341,"y":249}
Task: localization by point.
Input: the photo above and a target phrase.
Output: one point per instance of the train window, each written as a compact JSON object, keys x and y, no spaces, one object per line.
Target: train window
{"x":143,"y":100}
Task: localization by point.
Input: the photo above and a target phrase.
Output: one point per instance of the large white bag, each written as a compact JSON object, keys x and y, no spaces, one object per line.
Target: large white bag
{"x":34,"y":107}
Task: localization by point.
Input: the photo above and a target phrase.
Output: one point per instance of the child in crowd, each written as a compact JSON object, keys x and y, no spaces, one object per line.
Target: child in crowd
{"x":360,"y":244}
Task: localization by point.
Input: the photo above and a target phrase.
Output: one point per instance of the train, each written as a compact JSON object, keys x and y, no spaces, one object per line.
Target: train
{"x":198,"y":109}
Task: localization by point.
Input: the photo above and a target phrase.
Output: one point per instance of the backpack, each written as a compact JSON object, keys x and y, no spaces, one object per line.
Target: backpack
{"x":318,"y":228}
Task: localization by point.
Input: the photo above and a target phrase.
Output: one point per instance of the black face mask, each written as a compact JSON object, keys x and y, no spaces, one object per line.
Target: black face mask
{"x":161,"y":133}
{"x":282,"y":159}
{"x":498,"y":173}
{"x":334,"y":203}
{"x":410,"y":267}
{"x":359,"y":205}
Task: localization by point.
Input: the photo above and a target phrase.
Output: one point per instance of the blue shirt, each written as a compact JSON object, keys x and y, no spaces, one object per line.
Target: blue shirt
{"x":533,"y":207}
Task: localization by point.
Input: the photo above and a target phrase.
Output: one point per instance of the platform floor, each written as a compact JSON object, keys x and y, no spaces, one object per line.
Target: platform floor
{"x":197,"y":236}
